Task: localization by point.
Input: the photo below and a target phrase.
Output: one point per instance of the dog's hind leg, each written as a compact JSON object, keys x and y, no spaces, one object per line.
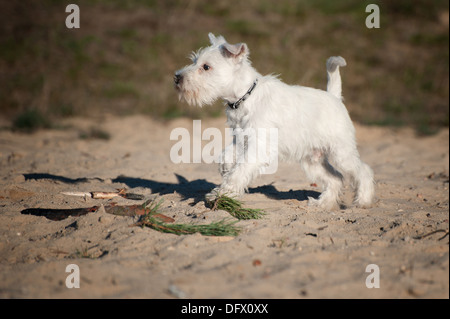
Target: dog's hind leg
{"x":319,"y":170}
{"x":349,"y":162}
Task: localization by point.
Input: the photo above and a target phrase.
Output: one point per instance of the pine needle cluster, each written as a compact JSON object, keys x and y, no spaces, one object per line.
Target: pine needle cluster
{"x":220,"y":228}
{"x":234,"y":207}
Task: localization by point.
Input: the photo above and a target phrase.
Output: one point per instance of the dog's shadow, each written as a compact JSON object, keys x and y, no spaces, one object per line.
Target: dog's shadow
{"x":195,"y":189}
{"x":198,"y":188}
{"x":271,"y":192}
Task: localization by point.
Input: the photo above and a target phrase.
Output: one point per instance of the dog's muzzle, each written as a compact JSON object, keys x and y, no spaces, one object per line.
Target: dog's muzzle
{"x":177,"y":78}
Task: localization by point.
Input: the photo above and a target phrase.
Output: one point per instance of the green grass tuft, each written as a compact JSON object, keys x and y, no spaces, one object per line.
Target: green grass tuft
{"x":234,"y":207}
{"x":220,"y":228}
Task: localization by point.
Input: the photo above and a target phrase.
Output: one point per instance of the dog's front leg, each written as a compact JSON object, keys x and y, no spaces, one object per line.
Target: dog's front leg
{"x":227,"y":159}
{"x":238,"y":174}
{"x":227,"y":164}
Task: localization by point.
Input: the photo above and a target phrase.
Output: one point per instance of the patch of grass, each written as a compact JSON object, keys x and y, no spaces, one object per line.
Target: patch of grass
{"x":430,"y":39}
{"x":216,"y":9}
{"x":173,"y":112}
{"x":123,"y":57}
{"x":31,"y":120}
{"x":342,"y":6}
{"x":78,"y":47}
{"x":121,"y":89}
{"x":245,"y":28}
{"x":388,"y":120}
{"x":425,"y":129}
{"x":11,"y":50}
{"x":129,"y":47}
{"x":64,"y":110}
{"x":127,"y":33}
{"x":108,"y":69}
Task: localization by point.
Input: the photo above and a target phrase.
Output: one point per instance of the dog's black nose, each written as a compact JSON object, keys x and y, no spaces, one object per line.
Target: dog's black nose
{"x":177,"y":78}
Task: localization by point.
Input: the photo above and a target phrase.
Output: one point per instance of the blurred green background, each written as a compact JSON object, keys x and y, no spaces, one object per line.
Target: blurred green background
{"x":122,"y":59}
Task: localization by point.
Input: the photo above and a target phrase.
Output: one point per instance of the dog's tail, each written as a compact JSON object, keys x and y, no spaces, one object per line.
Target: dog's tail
{"x":334,"y":85}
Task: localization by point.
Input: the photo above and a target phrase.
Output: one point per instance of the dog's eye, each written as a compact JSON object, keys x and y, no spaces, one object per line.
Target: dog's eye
{"x":206,"y":67}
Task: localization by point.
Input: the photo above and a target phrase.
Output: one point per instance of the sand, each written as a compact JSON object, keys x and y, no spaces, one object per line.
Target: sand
{"x":295,"y":251}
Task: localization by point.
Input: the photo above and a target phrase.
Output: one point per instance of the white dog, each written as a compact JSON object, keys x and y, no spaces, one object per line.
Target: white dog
{"x":314,"y":127}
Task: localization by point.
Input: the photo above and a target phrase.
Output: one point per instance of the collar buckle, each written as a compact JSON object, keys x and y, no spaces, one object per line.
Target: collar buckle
{"x":236,"y":104}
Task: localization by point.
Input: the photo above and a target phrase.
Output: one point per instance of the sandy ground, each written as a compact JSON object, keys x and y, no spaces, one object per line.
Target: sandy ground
{"x":293,"y":252}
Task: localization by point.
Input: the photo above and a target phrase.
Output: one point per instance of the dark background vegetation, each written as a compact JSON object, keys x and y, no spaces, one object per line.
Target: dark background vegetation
{"x":122,"y":59}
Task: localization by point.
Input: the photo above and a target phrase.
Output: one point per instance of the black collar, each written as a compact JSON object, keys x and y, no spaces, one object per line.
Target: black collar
{"x":236,"y":104}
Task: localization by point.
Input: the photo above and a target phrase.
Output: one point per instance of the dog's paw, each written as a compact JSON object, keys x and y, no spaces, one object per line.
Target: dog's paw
{"x":322,"y":203}
{"x":363,"y":203}
{"x":212,"y":196}
{"x":217,"y":192}
{"x":312,"y":202}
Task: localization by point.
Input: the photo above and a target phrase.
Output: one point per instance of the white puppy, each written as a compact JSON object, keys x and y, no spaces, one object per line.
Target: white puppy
{"x":314,"y":127}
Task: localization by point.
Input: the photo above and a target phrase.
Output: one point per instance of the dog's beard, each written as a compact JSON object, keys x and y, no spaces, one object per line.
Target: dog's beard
{"x":194,"y":98}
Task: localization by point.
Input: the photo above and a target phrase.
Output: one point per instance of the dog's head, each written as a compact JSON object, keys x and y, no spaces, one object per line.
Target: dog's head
{"x":215,"y":72}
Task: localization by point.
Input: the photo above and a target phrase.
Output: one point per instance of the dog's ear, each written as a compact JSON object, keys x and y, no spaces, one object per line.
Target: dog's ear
{"x":216,"y":40}
{"x":212,"y":38}
{"x":237,"y":51}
